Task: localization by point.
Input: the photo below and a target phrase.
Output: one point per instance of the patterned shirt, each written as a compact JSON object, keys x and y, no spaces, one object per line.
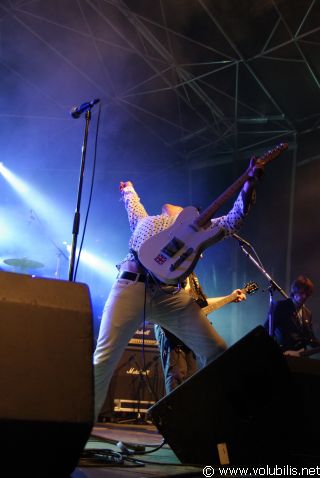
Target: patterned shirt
{"x":144,"y":226}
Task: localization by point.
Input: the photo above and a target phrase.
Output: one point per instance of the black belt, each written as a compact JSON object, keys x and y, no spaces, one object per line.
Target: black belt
{"x":134,"y":276}
{"x":137,"y":277}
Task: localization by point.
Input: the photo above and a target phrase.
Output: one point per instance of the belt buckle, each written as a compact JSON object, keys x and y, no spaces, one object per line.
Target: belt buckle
{"x":137,"y":277}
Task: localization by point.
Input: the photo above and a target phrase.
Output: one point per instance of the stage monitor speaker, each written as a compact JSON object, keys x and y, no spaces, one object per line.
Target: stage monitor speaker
{"x":137,"y":383}
{"x":306,"y":417}
{"x":236,"y":410}
{"x":46,"y":406}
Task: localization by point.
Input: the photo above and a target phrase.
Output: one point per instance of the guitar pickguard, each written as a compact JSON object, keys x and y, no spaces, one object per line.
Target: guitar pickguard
{"x":171,"y":254}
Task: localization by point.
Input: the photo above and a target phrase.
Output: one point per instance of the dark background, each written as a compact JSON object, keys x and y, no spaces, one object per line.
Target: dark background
{"x":189,"y":91}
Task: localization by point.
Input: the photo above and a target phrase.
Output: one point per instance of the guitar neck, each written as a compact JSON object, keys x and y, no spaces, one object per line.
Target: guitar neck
{"x":210,"y":211}
{"x":219,"y":303}
{"x":250,"y":288}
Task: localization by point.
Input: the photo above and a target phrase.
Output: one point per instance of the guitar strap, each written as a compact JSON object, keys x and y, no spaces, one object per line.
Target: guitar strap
{"x":196,"y":291}
{"x":135,"y":255}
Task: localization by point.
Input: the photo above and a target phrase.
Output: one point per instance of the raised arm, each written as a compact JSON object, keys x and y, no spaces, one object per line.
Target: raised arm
{"x":232,"y":221}
{"x":134,"y":208}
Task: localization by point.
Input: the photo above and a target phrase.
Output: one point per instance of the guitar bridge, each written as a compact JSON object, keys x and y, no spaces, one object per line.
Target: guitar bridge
{"x":181,"y":259}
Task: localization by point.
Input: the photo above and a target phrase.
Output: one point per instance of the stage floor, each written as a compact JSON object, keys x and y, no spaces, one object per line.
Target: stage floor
{"x":160,"y":463}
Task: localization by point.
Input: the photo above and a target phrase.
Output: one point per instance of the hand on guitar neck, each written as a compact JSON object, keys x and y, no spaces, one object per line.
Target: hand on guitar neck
{"x":255,"y":173}
{"x":237,"y":295}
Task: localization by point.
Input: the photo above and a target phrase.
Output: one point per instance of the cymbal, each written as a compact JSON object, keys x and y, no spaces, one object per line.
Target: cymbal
{"x":23,"y":263}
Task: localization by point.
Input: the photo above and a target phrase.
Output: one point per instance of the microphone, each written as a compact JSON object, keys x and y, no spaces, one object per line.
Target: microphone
{"x":242,"y":242}
{"x":76,"y":111}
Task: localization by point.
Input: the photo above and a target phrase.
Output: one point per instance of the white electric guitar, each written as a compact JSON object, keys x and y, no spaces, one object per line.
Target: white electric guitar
{"x":171,"y":255}
{"x":249,"y":288}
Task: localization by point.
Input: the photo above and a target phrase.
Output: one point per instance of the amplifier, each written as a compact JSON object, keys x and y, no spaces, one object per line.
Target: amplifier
{"x":137,"y":382}
{"x":144,"y":335}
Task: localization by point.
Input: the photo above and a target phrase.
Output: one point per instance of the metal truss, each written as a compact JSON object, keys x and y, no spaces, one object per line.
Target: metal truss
{"x":204,"y":121}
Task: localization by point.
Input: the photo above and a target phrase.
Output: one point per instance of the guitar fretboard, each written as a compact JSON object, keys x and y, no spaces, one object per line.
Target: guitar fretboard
{"x":210,"y":211}
{"x":204,"y":218}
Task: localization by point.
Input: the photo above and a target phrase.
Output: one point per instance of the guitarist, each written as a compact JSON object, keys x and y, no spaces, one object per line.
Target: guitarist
{"x":177,"y":359}
{"x":135,"y":297}
{"x":292,"y":320}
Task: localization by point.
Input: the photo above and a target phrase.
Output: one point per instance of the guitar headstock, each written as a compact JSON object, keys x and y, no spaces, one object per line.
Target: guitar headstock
{"x":251,"y":287}
{"x":273,"y":153}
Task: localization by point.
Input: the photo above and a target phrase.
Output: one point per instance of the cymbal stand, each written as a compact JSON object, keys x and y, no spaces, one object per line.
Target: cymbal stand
{"x":58,"y":265}
{"x":59,"y":253}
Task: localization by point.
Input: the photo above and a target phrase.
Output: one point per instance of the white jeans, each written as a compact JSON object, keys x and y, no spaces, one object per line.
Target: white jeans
{"x":124,"y":311}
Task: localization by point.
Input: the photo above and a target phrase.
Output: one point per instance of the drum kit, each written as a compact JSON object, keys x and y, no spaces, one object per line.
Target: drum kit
{"x":32,"y":267}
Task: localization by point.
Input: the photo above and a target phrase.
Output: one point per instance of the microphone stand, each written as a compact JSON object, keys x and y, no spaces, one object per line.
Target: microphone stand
{"x":76,"y":219}
{"x":273,"y":285}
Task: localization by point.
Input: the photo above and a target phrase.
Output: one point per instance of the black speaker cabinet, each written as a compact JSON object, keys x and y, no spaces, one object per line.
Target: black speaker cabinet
{"x":46,"y":405}
{"x":137,"y":383}
{"x":236,"y":410}
{"x":306,"y":416}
